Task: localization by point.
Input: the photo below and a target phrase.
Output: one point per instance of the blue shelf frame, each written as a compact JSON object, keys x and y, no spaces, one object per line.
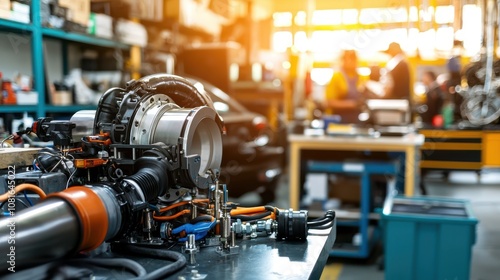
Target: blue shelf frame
{"x":37,"y":33}
{"x":15,"y":25}
{"x":364,"y":170}
{"x":18,"y":108}
{"x":69,"y":108}
{"x":82,"y":38}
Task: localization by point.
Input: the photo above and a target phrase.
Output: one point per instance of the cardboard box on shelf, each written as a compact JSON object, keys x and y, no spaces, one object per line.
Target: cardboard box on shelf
{"x":100,"y":25}
{"x":21,"y":8}
{"x":27,"y":97}
{"x":5,"y":5}
{"x":62,"y":97}
{"x":78,"y":10}
{"x":132,"y":33}
{"x":5,"y":14}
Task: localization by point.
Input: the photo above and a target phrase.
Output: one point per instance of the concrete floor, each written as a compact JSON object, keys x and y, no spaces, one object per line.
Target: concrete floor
{"x":484,"y":194}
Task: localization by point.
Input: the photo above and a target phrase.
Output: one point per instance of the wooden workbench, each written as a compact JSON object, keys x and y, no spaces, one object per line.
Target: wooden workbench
{"x":17,"y":157}
{"x":408,"y":144}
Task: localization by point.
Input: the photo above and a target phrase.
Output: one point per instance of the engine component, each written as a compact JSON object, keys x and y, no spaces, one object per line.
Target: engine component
{"x":48,"y":182}
{"x":191,"y":249}
{"x":292,"y":225}
{"x":84,"y":216}
{"x":143,"y":169}
{"x":58,"y":131}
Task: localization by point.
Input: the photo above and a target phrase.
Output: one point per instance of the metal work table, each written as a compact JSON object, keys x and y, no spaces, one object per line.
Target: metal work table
{"x":259,"y":258}
{"x":409,"y":144}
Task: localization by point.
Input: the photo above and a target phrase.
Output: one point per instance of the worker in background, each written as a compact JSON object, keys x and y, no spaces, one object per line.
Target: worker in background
{"x":434,"y":98}
{"x":454,"y":67}
{"x":397,"y":85}
{"x":342,"y":93}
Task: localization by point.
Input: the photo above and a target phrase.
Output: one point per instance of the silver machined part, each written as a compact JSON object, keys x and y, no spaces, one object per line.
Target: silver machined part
{"x":226,"y":229}
{"x":217,"y":202}
{"x":233,"y":239}
{"x":194,"y":211}
{"x":148,"y":224}
{"x":112,"y":208}
{"x":164,"y":227}
{"x":191,"y":249}
{"x":159,"y":120}
{"x":84,"y":124}
{"x":103,"y":154}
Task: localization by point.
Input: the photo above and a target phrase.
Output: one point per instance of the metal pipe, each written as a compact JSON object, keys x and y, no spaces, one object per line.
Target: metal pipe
{"x":45,"y":232}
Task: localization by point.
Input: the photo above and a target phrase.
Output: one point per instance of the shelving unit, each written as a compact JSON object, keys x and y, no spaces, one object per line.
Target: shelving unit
{"x":37,"y":33}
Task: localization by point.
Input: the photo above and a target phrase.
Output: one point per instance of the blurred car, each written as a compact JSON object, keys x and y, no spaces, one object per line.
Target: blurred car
{"x":250,"y":163}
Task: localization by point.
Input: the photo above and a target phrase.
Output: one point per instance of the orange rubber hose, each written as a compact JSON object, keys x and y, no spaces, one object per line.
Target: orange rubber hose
{"x":92,"y":213}
{"x":249,"y":210}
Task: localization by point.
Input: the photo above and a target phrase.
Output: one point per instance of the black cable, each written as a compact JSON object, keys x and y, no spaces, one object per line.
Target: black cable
{"x":327,"y":218}
{"x":325,"y":226}
{"x":270,"y":208}
{"x":179,"y":260}
{"x":318,"y":223}
{"x":132,"y":266}
{"x":251,"y":217}
{"x":204,"y":218}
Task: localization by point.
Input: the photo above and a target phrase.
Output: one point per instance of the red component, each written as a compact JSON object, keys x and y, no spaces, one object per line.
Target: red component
{"x":34,"y":127}
{"x":260,"y":123}
{"x":10,"y":98}
{"x":438,"y":121}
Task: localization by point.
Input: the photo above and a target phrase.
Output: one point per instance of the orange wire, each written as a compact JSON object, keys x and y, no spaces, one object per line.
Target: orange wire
{"x":249,"y":210}
{"x":168,"y":218}
{"x":22,"y":187}
{"x":173,"y":206}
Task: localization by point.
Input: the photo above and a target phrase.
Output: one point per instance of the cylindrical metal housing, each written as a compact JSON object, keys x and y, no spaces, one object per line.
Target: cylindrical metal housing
{"x":45,"y":232}
{"x":159,"y":120}
{"x":84,"y":121}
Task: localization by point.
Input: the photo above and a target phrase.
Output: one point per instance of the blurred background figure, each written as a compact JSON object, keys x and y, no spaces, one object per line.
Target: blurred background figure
{"x":373,"y":88}
{"x":398,"y":74}
{"x":434,"y":99}
{"x":342,"y":95}
{"x":454,"y":67}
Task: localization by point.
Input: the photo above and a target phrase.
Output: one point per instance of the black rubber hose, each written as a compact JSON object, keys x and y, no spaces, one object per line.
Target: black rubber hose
{"x":326,"y":226}
{"x":132,"y":266}
{"x":318,"y":222}
{"x":73,"y":269}
{"x":107,"y":108}
{"x":179,"y":260}
{"x":179,"y":89}
{"x":251,"y":217}
{"x":205,"y":218}
{"x":328,"y":217}
{"x":150,"y":176}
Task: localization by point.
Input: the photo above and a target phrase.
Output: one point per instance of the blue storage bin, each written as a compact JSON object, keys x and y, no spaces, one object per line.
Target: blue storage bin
{"x":427,"y":238}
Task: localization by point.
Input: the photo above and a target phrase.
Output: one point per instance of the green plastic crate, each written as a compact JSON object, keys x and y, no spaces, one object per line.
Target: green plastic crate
{"x":427,"y":238}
